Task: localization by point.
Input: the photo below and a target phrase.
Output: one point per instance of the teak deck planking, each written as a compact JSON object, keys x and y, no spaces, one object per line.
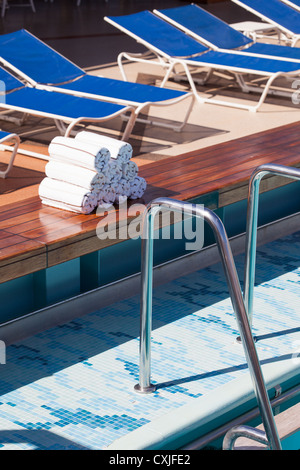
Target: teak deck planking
{"x":34,"y":236}
{"x":287,"y":423}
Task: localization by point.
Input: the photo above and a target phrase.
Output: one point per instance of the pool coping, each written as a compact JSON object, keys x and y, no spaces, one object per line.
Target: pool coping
{"x":176,"y":429}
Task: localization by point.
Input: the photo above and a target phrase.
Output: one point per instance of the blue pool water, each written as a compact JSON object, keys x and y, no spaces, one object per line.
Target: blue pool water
{"x":292,"y":442}
{"x":71,"y":387}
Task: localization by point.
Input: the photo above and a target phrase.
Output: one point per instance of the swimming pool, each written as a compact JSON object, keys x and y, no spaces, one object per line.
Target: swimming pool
{"x":283,"y":402}
{"x":292,"y":442}
{"x":72,"y":387}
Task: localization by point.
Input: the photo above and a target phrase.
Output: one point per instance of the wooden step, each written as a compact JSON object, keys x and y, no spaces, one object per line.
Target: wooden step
{"x":287,"y":422}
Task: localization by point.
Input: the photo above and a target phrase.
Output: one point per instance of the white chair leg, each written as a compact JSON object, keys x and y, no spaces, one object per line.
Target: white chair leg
{"x":78,"y":2}
{"x":4,"y":5}
{"x":14,"y":150}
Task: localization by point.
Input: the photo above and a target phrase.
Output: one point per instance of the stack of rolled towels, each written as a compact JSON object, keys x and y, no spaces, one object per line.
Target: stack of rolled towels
{"x":90,"y":171}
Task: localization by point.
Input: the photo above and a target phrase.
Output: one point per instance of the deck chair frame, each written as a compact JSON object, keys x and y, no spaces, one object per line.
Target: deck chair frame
{"x":139,"y":107}
{"x":71,"y":122}
{"x":292,"y":4}
{"x":169,"y":64}
{"x":17,"y":92}
{"x":290,"y":36}
{"x":14,"y":150}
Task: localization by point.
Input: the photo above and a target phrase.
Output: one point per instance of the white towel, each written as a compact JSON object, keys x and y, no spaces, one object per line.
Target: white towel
{"x":106,"y":195}
{"x":79,"y":176}
{"x":129,"y":170}
{"x":122,"y":187}
{"x":69,"y":150}
{"x":64,"y":206}
{"x":102,"y":207}
{"x":120,"y":199}
{"x":113,"y":171}
{"x":119,"y":150}
{"x":138,"y":187}
{"x":80,"y":199}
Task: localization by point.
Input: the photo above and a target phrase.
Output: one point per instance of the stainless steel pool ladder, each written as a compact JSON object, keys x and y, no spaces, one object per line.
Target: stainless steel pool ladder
{"x":243,"y":431}
{"x":145,"y":385}
{"x":251,"y":228}
{"x":249,"y":277}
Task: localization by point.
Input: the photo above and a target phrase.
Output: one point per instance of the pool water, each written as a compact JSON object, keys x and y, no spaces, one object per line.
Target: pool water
{"x":292,"y":442}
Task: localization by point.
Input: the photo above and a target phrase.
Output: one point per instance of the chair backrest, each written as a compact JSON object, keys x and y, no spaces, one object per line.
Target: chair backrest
{"x":207,"y":27}
{"x":274,"y":11}
{"x":9,"y":82}
{"x":293,"y":3}
{"x":35,"y":59}
{"x":157,"y":34}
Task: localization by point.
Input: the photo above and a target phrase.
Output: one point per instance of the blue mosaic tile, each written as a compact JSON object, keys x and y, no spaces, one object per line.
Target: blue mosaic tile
{"x":71,"y":387}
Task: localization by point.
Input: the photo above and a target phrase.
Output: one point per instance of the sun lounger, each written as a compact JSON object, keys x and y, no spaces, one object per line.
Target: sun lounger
{"x":276,"y":12}
{"x":5,"y":6}
{"x":8,"y":137}
{"x":43,"y":67}
{"x":173,"y":47}
{"x":218,"y":35}
{"x":57,"y":106}
{"x":293,"y":3}
{"x":257,"y":30}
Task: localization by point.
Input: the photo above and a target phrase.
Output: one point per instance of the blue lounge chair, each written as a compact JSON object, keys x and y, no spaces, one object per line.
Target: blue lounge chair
{"x":218,"y":35}
{"x":43,"y":67}
{"x":8,"y":137}
{"x":173,"y":47}
{"x":57,"y":106}
{"x":275,"y":12}
{"x":293,"y":3}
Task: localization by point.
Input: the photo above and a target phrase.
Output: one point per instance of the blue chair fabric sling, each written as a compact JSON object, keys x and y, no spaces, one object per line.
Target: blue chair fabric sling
{"x":57,"y":106}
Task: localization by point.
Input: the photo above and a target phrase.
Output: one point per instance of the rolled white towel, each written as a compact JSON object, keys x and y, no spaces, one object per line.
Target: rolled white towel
{"x":102,"y":207}
{"x":80,"y":199}
{"x":119,"y":150}
{"x":83,"y":154}
{"x":79,"y":176}
{"x":138,"y":187}
{"x":113,"y":171}
{"x":129,"y":170}
{"x":122,"y":187}
{"x":120,"y":199}
{"x":106,"y":195}
{"x":66,"y":207}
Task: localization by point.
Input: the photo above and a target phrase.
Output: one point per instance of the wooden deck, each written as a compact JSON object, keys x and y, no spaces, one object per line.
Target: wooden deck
{"x":34,"y":237}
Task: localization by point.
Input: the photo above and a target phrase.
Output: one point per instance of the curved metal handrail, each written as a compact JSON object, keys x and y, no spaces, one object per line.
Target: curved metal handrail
{"x":243,"y":431}
{"x":251,"y":228}
{"x":145,"y":385}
